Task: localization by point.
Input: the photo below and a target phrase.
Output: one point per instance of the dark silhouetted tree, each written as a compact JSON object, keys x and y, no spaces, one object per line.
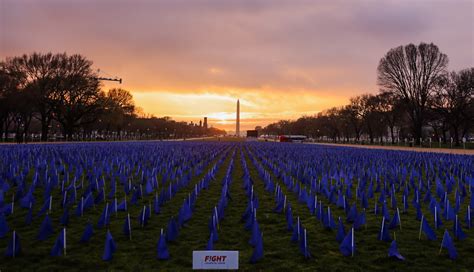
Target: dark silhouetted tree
{"x":411,"y":72}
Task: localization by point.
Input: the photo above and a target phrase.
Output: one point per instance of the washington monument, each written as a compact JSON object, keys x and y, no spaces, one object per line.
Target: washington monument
{"x":237,"y":120}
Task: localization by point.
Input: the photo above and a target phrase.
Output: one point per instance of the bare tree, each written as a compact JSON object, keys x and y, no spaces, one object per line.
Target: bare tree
{"x":119,"y":109}
{"x":38,"y":70}
{"x":454,"y":101}
{"x":77,"y":99}
{"x":411,"y":72}
{"x":391,"y":110}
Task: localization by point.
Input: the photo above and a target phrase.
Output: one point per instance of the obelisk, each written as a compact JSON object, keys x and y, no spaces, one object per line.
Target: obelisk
{"x":237,"y":122}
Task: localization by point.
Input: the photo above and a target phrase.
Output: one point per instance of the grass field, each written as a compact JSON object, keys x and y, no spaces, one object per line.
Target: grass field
{"x":280,"y":254}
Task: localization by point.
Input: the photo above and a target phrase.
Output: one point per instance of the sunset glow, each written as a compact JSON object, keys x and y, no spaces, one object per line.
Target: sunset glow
{"x":194,"y":59}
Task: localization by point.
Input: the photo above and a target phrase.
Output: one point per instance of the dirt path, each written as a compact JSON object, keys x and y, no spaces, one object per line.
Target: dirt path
{"x":405,"y":148}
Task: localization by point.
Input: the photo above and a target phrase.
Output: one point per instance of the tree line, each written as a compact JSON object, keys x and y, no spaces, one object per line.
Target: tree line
{"x":418,"y":99}
{"x":49,"y":93}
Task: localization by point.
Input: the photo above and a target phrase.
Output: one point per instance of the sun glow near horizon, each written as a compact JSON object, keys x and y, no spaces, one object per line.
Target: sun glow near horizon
{"x":256,"y":108}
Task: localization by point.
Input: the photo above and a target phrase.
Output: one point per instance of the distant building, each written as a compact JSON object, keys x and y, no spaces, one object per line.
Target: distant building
{"x":205,"y":122}
{"x":200,"y":123}
{"x":252,"y":134}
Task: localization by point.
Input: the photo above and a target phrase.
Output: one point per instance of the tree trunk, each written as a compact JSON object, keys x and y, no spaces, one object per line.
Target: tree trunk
{"x":392,"y":134}
{"x":1,"y":129}
{"x":456,"y":134}
{"x":418,"y":130}
{"x":44,"y":128}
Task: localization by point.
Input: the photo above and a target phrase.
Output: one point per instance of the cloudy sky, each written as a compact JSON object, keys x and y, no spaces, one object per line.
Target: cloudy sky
{"x":283,"y":59}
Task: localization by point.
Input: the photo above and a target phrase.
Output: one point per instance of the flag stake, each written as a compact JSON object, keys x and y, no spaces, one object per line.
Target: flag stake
{"x":421,"y":224}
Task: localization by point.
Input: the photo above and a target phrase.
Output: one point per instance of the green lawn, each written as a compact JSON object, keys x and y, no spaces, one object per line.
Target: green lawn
{"x":280,"y":254}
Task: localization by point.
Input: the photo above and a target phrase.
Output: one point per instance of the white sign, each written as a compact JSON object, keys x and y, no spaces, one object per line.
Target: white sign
{"x":215,"y":259}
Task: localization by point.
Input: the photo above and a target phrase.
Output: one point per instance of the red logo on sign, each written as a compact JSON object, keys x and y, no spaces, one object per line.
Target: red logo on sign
{"x":215,"y":259}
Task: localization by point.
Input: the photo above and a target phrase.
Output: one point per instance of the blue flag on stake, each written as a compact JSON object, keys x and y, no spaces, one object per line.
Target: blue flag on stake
{"x":449,"y":245}
{"x":156,"y":204}
{"x":122,"y":206}
{"x":347,"y":246}
{"x":127,"y":227}
{"x":425,"y":227}
{"x":328,"y":221}
{"x":341,"y":232}
{"x":395,"y":221}
{"x":393,"y":251}
{"x":210,"y":243}
{"x":258,"y":250}
{"x":255,"y":233}
{"x":289,"y":218}
{"x":297,"y":231}
{"x":383,"y":234}
{"x":60,"y":244}
{"x":87,"y":234}
{"x":14,"y":246}
{"x":172,"y":231}
{"x":360,"y":220}
{"x":109,"y":247}
{"x":162,"y":248}
{"x":304,"y":245}
{"x":46,"y":229}
{"x":457,"y":230}
{"x":104,"y":217}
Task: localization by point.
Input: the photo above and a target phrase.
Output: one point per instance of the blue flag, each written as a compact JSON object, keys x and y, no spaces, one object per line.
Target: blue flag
{"x":88,"y":201}
{"x":347,"y":246}
{"x":14,"y":246}
{"x":255,"y":233}
{"x":60,"y":244}
{"x":395,"y":221}
{"x":156,"y":204}
{"x":297,"y":231}
{"x":122,"y":206}
{"x":457,"y":230}
{"x":289,"y":217}
{"x":393,"y":251}
{"x":184,"y":214}
{"x":127,"y":227}
{"x":87,"y":234}
{"x":304,"y":245}
{"x":104,"y":217}
{"x":360,"y":221}
{"x":383,"y":234}
{"x":425,"y":227}
{"x":46,"y":229}
{"x":109,"y":247}
{"x":148,"y":188}
{"x":449,"y":245}
{"x":257,"y":251}
{"x":328,"y":220}
{"x":145,"y":214}
{"x":280,"y":205}
{"x":352,"y":214}
{"x":45,"y":207}
{"x":162,"y":248}
{"x":210,"y":242}
{"x":172,"y":231}
{"x":341,"y":232}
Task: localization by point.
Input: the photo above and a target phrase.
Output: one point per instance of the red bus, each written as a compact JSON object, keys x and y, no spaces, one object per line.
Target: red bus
{"x":292,"y":138}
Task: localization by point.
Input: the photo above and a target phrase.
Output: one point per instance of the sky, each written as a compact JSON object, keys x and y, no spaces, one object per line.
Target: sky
{"x":281,"y":58}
